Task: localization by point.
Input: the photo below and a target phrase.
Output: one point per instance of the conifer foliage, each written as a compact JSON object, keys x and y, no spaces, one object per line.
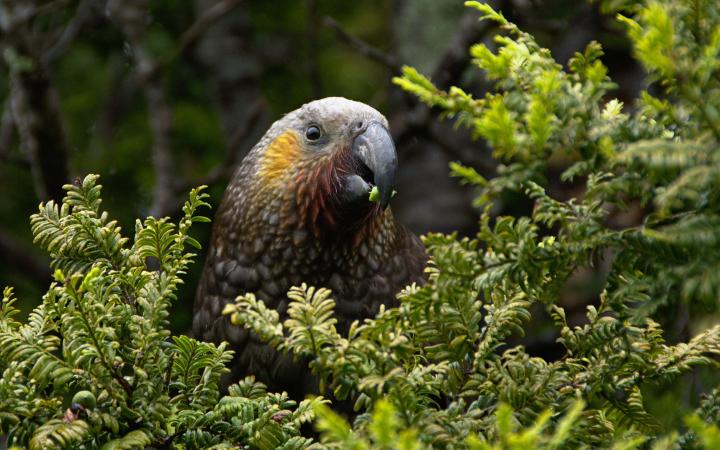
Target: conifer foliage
{"x":440,"y":364}
{"x":94,"y":366}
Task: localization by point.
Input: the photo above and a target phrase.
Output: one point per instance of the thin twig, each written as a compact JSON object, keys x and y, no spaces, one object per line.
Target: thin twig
{"x":362,"y":47}
{"x":232,"y":156}
{"x":417,"y":118}
{"x":206,"y":19}
{"x":456,"y":58}
{"x":130,"y":17}
{"x":253,"y":115}
{"x":123,"y":89}
{"x":51,"y":7}
{"x":312,"y":47}
{"x":6,"y":131}
{"x":161,"y":123}
{"x":34,"y":105}
{"x":70,"y":32}
{"x":38,"y":120}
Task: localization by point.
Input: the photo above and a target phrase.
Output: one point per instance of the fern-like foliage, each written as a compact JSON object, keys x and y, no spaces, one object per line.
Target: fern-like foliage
{"x":94,"y":366}
{"x":443,"y":369}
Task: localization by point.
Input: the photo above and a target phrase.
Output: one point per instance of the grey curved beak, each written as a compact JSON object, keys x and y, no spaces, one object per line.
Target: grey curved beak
{"x":375,"y":148}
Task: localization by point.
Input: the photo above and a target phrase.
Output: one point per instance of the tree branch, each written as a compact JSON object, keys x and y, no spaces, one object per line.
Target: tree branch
{"x":7,"y":126}
{"x":235,"y":85}
{"x":456,"y":58}
{"x":416,"y":118}
{"x":42,"y":136}
{"x":34,"y":104}
{"x":130,"y":17}
{"x":205,"y":21}
{"x":232,"y":157}
{"x":85,"y":11}
{"x":362,"y":47}
{"x":123,"y":89}
{"x":311,"y":47}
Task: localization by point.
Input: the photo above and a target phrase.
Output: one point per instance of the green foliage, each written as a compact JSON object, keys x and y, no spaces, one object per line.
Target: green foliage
{"x":444,"y":369}
{"x":93,"y":365}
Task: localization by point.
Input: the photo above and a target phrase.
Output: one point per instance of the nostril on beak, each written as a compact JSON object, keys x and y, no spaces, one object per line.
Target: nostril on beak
{"x":359,"y":125}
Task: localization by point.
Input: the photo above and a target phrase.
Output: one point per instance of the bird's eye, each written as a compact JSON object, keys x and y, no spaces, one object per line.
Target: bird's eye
{"x":313,"y":133}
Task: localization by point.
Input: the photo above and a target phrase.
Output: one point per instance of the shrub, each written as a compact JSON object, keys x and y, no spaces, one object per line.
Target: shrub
{"x":442,"y":369}
{"x":94,"y":366}
{"x":441,"y":363}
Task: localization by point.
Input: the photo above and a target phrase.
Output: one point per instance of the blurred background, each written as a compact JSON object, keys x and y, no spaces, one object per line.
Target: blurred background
{"x":160,"y":96}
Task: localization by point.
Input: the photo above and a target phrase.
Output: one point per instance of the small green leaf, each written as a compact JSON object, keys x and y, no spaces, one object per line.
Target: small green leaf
{"x":374,"y":195}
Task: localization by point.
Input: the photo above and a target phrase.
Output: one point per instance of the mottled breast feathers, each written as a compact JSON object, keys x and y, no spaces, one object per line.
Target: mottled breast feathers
{"x":297,"y":210}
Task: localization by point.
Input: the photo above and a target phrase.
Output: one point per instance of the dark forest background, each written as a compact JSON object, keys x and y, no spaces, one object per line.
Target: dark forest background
{"x":160,"y":96}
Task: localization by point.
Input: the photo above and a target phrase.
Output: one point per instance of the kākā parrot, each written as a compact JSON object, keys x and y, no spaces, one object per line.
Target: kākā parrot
{"x":298,"y":210}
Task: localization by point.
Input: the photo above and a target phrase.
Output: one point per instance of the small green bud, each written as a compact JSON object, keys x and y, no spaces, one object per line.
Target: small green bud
{"x":90,"y":278}
{"x":229,"y":309}
{"x":86,"y":399}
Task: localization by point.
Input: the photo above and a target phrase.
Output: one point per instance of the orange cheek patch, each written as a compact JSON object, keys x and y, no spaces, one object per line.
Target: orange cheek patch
{"x":280,"y":156}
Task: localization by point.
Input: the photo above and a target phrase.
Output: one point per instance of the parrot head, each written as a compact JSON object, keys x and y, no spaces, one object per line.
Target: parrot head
{"x":318,"y":164}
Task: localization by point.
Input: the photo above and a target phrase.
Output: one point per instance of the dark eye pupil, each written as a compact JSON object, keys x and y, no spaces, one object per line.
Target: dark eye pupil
{"x":313,"y":133}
